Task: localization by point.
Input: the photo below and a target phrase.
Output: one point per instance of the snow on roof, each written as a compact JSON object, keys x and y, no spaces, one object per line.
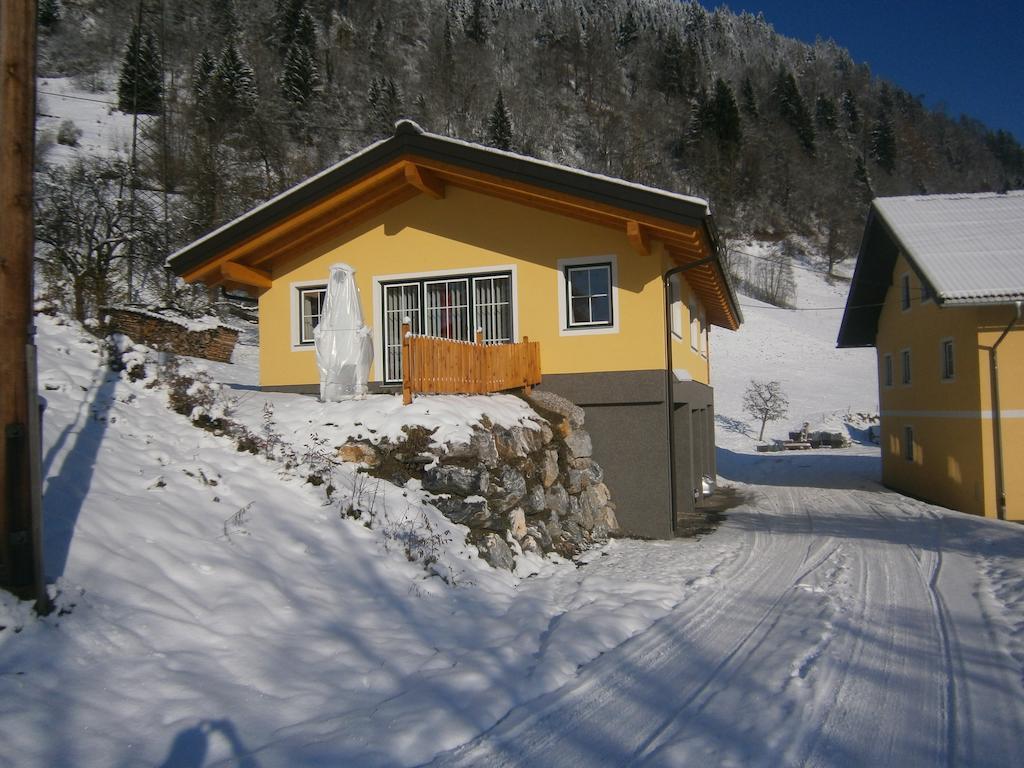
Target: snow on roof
{"x":409,"y":127}
{"x":549,"y":164}
{"x":970,"y":247}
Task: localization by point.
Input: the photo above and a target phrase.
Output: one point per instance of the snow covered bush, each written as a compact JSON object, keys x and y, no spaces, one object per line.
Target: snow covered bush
{"x":195,"y":395}
{"x":68,"y":133}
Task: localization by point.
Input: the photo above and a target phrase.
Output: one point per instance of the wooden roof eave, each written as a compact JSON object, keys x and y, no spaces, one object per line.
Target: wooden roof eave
{"x":408,"y":176}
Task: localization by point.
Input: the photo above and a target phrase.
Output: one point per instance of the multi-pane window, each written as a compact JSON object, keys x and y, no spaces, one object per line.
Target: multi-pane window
{"x":887,"y":377}
{"x":905,"y":360}
{"x":589,"y":292}
{"x":905,"y":292}
{"x":948,"y":364}
{"x":908,"y":443}
{"x":311,"y":305}
{"x":401,"y":300}
{"x":446,"y":308}
{"x":449,"y":308}
{"x":492,"y":307}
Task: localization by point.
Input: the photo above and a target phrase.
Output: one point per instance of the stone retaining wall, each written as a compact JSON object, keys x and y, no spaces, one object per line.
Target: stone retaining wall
{"x":531,"y":490}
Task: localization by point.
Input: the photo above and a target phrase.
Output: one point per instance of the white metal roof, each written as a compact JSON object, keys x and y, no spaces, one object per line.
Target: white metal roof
{"x":969,"y":247}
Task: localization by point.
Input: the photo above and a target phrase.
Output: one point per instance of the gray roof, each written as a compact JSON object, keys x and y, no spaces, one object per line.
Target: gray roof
{"x":970,"y":248}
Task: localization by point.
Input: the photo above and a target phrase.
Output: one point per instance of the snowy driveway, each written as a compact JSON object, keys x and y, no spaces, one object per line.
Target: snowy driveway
{"x":847,"y":626}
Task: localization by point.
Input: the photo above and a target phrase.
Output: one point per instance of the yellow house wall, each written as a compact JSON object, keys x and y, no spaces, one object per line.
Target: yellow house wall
{"x":468,"y":231}
{"x":992,"y":321}
{"x":951,"y":420}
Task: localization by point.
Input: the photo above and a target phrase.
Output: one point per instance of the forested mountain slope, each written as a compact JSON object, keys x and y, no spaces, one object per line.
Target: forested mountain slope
{"x":240,"y":100}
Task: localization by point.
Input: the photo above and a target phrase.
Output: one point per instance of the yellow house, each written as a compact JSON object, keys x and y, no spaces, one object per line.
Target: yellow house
{"x":937,"y":291}
{"x":618,"y":282}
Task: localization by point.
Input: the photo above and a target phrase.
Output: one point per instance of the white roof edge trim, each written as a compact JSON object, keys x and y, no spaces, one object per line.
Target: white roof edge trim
{"x":693,"y":200}
{"x":987,"y":301}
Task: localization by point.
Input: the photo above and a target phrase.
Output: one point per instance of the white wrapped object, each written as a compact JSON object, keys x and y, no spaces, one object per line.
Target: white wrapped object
{"x":344,"y":349}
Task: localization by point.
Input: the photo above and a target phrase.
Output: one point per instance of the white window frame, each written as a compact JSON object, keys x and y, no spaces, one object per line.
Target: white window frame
{"x":564,"y":329}
{"x":295,"y":307}
{"x":942,"y":360}
{"x":676,"y":301}
{"x":906,"y":368}
{"x":905,"y":297}
{"x":691,"y":305}
{"x":702,"y":316}
{"x":378,"y":301}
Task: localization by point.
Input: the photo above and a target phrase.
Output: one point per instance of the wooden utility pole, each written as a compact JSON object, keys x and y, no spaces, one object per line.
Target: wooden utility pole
{"x":20,"y":514}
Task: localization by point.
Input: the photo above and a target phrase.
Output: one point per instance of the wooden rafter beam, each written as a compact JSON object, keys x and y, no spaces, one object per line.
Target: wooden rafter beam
{"x":328,"y":228}
{"x":423,"y":180}
{"x":638,"y":237}
{"x":239,"y":273}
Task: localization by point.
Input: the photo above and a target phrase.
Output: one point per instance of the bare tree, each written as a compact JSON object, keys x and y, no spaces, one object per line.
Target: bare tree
{"x":84,"y":225}
{"x":764,"y":400}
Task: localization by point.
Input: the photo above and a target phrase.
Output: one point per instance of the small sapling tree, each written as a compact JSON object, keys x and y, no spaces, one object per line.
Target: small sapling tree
{"x":764,"y":400}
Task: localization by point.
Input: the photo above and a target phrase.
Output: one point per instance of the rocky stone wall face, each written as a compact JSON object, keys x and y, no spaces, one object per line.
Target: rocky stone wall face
{"x":211,"y":344}
{"x":531,"y":490}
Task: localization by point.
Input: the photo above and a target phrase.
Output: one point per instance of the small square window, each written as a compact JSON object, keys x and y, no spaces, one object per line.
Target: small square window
{"x":905,"y":292}
{"x":887,"y":377}
{"x":948,"y":362}
{"x":590,"y":296}
{"x":908,"y":443}
{"x":311,"y":304}
{"x":905,"y":359}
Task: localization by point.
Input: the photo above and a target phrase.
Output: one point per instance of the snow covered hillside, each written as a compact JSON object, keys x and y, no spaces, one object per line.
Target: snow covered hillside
{"x":223,"y":607}
{"x":104,"y":130}
{"x":796,"y":347}
{"x":216,"y":610}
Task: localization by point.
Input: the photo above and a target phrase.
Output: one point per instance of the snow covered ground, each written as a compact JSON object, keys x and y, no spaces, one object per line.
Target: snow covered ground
{"x":104,"y":130}
{"x":841,"y":625}
{"x":217,"y":610}
{"x":798,"y":349}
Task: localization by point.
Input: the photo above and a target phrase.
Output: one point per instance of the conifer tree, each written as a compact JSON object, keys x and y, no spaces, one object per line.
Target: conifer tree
{"x":825,"y":113}
{"x":883,"y":142}
{"x":725,"y":117}
{"x":628,"y":32}
{"x":140,"y":85}
{"x":234,"y":83}
{"x":48,"y":14}
{"x":851,"y":112}
{"x":475,"y":25}
{"x":202,"y":78}
{"x":294,"y":25}
{"x":300,"y":78}
{"x":378,"y":42}
{"x":499,"y":125}
{"x":749,"y":100}
{"x":672,"y":69}
{"x":385,"y":105}
{"x":793,"y":109}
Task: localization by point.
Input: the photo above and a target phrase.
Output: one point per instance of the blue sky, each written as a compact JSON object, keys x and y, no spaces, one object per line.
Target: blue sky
{"x":968,"y":56}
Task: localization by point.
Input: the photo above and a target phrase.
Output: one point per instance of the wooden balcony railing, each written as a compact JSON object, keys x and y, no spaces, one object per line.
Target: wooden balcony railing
{"x":444,"y":366}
